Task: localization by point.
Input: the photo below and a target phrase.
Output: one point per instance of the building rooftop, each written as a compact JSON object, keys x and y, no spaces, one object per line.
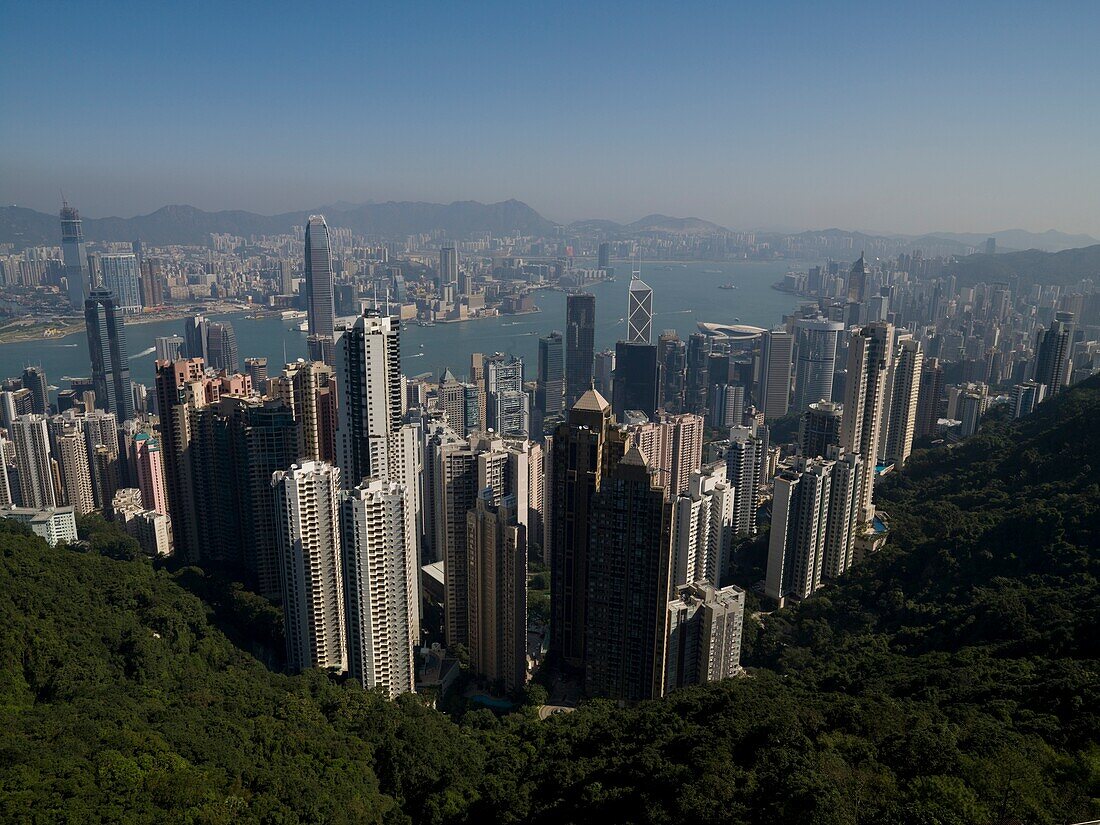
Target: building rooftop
{"x":592,"y":401}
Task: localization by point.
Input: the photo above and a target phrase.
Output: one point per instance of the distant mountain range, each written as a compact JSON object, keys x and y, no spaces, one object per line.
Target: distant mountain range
{"x":1049,"y":241}
{"x":1031,"y":266}
{"x":188,"y":225}
{"x":396,"y":219}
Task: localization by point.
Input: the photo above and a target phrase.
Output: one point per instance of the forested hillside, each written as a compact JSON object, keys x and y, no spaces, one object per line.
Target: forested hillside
{"x":950,"y":679}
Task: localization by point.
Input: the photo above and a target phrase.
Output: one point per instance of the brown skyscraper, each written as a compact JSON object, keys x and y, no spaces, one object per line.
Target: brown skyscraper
{"x":630,"y":550}
{"x":584,"y":450}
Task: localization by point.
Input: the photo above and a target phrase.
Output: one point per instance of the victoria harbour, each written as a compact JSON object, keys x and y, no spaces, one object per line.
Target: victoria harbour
{"x":684,"y":295}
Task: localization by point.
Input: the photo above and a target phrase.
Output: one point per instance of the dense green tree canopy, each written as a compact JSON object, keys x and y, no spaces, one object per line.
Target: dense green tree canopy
{"x":952,"y":678}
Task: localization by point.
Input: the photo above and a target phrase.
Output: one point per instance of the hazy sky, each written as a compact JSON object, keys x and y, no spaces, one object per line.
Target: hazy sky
{"x":963,"y":116}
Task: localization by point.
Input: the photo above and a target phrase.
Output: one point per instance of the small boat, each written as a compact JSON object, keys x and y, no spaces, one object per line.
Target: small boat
{"x":730,"y":285}
{"x":713,"y":271}
{"x":421,"y":346}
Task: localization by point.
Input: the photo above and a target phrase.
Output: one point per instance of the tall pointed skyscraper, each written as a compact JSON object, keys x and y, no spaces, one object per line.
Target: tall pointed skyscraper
{"x":857,"y":280}
{"x":320,"y":306}
{"x":639,"y":318}
{"x":75,"y":256}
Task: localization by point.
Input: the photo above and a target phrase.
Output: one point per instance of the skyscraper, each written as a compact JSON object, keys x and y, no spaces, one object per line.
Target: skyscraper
{"x":75,"y":255}
{"x":744,"y":457}
{"x":34,"y":379}
{"x":33,"y":458}
{"x":368,"y":373}
{"x":461,"y":472}
{"x":497,"y":595}
{"x":870,"y":352}
{"x":306,"y":498}
{"x":147,"y":468}
{"x":580,"y":345}
{"x":629,"y":557}
{"x":857,"y":280}
{"x":196,"y":338}
{"x":816,"y":340}
{"x":584,"y":449}
{"x":637,"y":378}
{"x":703,"y":529}
{"x":902,"y":392}
{"x":302,"y":386}
{"x":222,"y":347}
{"x":797,"y":541}
{"x":320,"y":301}
{"x":819,"y":428}
{"x":672,"y":357}
{"x":929,"y":398}
{"x":76,"y":474}
{"x":168,"y":348}
{"x":775,"y":373}
{"x":508,"y":404}
{"x":603,"y":255}
{"x":461,"y":404}
{"x":673,"y":449}
{"x":727,"y":405}
{"x":256,"y":368}
{"x":110,"y":360}
{"x":1052,"y":351}
{"x":697,"y":375}
{"x":448,"y":266}
{"x":703,"y":635}
{"x":639,"y":313}
{"x":121,"y":276}
{"x":180,"y":386}
{"x":381,"y":575}
{"x":1026,"y":397}
{"x":262,"y":440}
{"x":550,"y":390}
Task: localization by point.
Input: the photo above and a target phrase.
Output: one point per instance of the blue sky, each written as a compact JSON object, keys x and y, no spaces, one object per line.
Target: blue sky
{"x":936,"y":116}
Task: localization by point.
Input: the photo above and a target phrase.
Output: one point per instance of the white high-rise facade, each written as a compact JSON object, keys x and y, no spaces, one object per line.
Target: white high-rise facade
{"x":703,"y":529}
{"x":76,"y":474}
{"x":815,"y":360}
{"x":815,"y":523}
{"x":800,"y":515}
{"x":381,"y":585}
{"x":703,"y":635}
{"x":34,"y":460}
{"x":743,"y":465}
{"x":368,"y":378}
{"x":775,"y":373}
{"x":902,"y":392}
{"x":870,"y":353}
{"x":307,"y":501}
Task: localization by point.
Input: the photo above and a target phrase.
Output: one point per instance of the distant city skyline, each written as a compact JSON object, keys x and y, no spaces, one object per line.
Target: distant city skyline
{"x":951,"y":117}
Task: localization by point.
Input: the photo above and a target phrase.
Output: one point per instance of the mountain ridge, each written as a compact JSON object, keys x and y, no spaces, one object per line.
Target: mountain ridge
{"x":186,"y":224}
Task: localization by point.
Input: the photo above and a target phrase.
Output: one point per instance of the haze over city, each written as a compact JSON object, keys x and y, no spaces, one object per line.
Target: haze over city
{"x":943,"y":117}
{"x":549,"y":413}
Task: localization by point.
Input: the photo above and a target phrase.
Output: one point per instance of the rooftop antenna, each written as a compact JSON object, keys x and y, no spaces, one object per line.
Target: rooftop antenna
{"x":284,"y":349}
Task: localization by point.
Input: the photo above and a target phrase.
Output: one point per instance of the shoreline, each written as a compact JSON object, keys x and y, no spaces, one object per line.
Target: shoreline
{"x":77,"y":324}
